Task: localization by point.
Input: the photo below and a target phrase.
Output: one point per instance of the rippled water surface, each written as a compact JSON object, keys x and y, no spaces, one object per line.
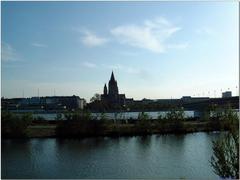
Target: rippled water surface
{"x":156,"y":156}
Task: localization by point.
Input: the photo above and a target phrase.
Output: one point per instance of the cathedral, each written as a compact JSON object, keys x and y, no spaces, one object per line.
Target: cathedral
{"x":111,"y":95}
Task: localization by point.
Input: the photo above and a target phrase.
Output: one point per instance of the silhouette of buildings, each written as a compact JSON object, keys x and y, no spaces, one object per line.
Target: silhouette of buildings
{"x":49,"y":103}
{"x":227,"y":94}
{"x":111,"y":94}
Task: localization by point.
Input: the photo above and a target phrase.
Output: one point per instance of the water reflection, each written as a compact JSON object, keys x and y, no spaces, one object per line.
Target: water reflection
{"x":165,"y":156}
{"x":12,"y":150}
{"x":144,"y":142}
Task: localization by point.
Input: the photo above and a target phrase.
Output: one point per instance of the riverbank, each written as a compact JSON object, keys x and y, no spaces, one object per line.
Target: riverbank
{"x":78,"y":130}
{"x":83,"y":125}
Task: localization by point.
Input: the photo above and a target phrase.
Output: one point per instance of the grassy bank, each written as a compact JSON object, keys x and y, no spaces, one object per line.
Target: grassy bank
{"x":78,"y":130}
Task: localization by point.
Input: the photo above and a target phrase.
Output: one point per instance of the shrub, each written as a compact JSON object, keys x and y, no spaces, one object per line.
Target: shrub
{"x":78,"y":116}
{"x":81,"y":124}
{"x":205,"y":115}
{"x":59,"y":117}
{"x":15,"y":125}
{"x":144,"y":123}
{"x":39,"y":118}
{"x":225,"y":158}
{"x":175,"y":114}
{"x":176,"y":117}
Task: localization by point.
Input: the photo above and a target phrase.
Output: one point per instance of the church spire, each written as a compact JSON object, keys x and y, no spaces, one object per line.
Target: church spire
{"x":112,"y":77}
{"x":105,"y":89}
{"x":112,"y":86}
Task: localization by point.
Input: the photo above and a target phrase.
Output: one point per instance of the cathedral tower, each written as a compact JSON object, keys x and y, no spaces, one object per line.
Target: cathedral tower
{"x":111,"y":95}
{"x":105,"y":90}
{"x":112,"y":86}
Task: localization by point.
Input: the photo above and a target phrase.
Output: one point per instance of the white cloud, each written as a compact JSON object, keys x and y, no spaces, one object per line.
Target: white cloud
{"x":39,"y":45}
{"x":89,"y":65}
{"x":90,"y":39}
{"x":8,"y":53}
{"x":151,"y":35}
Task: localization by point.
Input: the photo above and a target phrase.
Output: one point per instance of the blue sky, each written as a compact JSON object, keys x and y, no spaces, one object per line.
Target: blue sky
{"x":156,"y":49}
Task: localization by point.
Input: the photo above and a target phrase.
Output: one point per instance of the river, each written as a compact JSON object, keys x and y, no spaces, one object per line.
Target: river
{"x":155,"y":156}
{"x":116,"y":115}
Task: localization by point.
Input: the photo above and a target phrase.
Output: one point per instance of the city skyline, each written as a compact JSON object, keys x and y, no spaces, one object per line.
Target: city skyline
{"x":156,"y":49}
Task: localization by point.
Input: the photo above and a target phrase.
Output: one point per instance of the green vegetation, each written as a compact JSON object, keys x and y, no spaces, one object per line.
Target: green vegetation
{"x":96,"y":97}
{"x":78,"y":116}
{"x":14,"y":125}
{"x":80,"y":124}
{"x":173,"y":122}
{"x":143,"y":125}
{"x":205,"y":115}
{"x":225,"y":158}
{"x":176,"y":118}
{"x":39,"y":118}
{"x":59,"y":117}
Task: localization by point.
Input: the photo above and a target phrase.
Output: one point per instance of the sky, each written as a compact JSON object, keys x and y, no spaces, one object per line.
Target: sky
{"x":155,"y":49}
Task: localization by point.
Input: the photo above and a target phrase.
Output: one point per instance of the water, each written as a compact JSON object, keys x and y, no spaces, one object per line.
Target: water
{"x":156,"y":156}
{"x":134,"y":115}
{"x":117,"y":115}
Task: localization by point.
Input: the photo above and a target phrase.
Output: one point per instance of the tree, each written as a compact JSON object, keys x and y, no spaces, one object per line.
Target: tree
{"x":96,"y":97}
{"x":144,"y":123}
{"x":80,"y":124}
{"x":225,"y":158}
{"x":80,"y":115}
{"x":175,"y":114}
{"x":103,"y":117}
{"x":176,"y":118}
{"x":15,"y":125}
{"x":59,"y":117}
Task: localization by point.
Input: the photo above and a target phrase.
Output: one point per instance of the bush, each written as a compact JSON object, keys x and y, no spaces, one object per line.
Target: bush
{"x":80,"y":128}
{"x":205,"y":115}
{"x":223,"y":118}
{"x":39,"y":118}
{"x":144,"y":123}
{"x":229,"y":119}
{"x":176,"y":117}
{"x":175,"y":114}
{"x":104,"y":119}
{"x":163,"y":124}
{"x":225,"y":158}
{"x":78,"y":116}
{"x":15,"y":125}
{"x":59,"y":117}
{"x":79,"y":125}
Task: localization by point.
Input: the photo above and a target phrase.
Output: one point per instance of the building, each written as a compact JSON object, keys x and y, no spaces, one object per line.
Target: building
{"x":189,"y":99}
{"x":48,"y":103}
{"x":227,"y":94}
{"x":111,"y":94}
